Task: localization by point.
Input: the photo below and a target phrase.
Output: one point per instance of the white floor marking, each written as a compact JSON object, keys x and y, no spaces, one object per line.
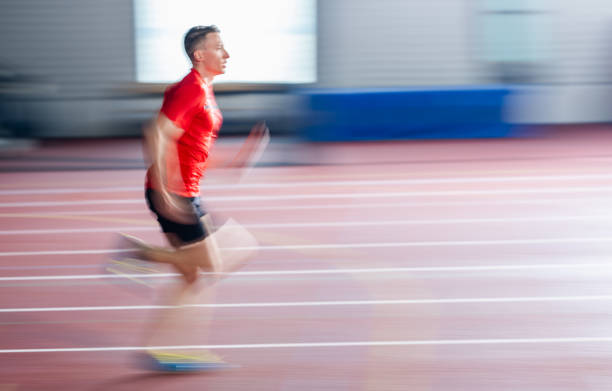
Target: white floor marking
{"x":353,"y":195}
{"x":598,"y":217}
{"x":437,"y":269}
{"x":143,"y":211}
{"x":496,"y":300}
{"x":498,"y":341}
{"x":451,"y":243}
{"x":338,"y":183}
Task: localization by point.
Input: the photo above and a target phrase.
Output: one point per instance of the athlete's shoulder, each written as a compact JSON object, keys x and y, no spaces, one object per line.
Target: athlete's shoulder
{"x":189,"y":88}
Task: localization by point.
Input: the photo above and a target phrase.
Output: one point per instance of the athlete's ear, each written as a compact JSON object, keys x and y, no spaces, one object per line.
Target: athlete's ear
{"x":198,"y":55}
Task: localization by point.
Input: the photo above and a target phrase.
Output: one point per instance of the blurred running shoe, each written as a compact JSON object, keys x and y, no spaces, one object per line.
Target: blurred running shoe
{"x":203,"y":360}
{"x":129,"y":262}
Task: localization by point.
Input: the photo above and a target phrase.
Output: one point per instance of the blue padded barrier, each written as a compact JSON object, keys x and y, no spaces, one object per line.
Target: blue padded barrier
{"x":383,"y":114}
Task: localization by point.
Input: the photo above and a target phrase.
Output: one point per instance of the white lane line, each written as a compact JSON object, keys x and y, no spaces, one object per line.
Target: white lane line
{"x":145,"y":212}
{"x":69,"y":203}
{"x":71,"y":190}
{"x":383,"y":182}
{"x":438,"y":269}
{"x":485,"y":300}
{"x":493,"y":341}
{"x":599,"y":217}
{"x":452,"y":243}
{"x":77,"y":230}
{"x":136,"y":211}
{"x":429,"y":244}
{"x":61,"y":252}
{"x":354,"y":195}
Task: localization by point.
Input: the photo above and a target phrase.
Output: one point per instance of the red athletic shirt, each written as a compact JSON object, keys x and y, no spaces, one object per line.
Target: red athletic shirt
{"x":190,"y":104}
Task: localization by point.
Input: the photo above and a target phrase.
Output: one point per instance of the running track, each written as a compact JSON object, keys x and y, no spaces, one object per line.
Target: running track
{"x":442,"y":265}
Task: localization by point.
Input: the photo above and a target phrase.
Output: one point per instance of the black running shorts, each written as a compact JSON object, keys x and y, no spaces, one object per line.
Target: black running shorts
{"x":187,"y":233}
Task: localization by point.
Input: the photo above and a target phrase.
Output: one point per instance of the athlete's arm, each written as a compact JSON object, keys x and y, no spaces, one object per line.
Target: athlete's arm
{"x":161,"y":136}
{"x":248,"y":153}
{"x":253,"y":146}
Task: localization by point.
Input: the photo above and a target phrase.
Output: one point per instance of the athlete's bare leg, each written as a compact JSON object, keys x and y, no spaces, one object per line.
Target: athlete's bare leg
{"x":177,"y":321}
{"x":174,"y":325}
{"x":214,"y":254}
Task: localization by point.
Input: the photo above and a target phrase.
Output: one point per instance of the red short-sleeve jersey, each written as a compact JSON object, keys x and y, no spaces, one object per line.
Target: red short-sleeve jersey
{"x":190,"y":105}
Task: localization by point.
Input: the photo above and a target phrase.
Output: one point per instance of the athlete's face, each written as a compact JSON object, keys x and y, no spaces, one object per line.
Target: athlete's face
{"x":212,"y":54}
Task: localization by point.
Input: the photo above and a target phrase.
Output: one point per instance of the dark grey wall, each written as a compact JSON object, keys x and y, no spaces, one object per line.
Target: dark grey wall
{"x":84,"y":47}
{"x":62,"y":63}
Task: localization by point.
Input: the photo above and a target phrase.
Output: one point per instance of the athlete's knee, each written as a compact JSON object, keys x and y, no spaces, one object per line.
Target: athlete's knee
{"x":213,"y":263}
{"x":205,"y":257}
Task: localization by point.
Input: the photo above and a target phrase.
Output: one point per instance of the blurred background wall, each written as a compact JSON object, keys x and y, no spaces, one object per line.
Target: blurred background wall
{"x":67,"y":67}
{"x":63,"y":62}
{"x":391,"y":43}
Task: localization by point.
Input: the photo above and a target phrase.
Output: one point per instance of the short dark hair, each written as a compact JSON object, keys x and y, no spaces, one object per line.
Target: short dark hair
{"x":195,"y":35}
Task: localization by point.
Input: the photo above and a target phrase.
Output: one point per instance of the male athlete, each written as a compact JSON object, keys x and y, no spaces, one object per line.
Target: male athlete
{"x":178,"y":143}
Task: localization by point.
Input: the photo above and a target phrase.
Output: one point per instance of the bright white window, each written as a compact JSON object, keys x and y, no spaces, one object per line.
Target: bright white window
{"x":269,"y":41}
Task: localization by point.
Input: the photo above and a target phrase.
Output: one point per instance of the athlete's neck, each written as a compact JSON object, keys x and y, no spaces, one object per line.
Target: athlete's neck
{"x":206,"y":76}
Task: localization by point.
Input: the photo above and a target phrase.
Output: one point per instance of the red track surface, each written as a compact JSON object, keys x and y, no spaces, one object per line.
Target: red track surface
{"x":446,"y":265}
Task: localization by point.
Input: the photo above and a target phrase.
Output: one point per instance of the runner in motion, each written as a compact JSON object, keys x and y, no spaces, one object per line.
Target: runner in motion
{"x":178,"y":142}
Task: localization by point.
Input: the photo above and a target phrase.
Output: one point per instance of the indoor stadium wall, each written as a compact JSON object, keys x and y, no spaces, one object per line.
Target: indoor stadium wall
{"x":67,"y":65}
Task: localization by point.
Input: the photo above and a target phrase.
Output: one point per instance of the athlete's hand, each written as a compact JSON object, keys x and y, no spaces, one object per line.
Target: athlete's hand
{"x":173,"y":208}
{"x":253,"y":146}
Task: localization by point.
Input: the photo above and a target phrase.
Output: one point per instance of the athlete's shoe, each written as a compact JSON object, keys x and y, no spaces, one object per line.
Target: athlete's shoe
{"x":197,"y":361}
{"x":129,"y":263}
